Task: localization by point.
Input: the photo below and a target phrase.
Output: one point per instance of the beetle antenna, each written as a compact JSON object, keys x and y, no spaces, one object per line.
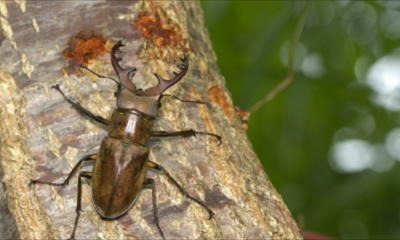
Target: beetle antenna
{"x":119,"y":84}
{"x":83,"y":66}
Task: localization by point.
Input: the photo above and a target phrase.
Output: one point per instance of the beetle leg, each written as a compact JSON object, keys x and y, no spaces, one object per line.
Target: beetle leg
{"x":184,"y":133}
{"x":149,"y":183}
{"x":184,"y":100}
{"x":78,"y":210}
{"x":66,"y":181}
{"x":158,"y":167}
{"x":81,"y":109}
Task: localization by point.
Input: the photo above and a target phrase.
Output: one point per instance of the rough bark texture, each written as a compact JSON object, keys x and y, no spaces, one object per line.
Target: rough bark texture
{"x":42,"y":136}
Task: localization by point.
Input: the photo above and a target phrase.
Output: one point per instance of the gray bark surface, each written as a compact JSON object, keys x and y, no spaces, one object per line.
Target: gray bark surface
{"x":42,"y":136}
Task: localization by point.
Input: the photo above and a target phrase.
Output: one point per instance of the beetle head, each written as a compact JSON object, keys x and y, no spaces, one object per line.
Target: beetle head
{"x":129,"y":97}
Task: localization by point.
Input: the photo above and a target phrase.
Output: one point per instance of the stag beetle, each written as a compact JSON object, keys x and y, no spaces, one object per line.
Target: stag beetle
{"x":119,"y":172}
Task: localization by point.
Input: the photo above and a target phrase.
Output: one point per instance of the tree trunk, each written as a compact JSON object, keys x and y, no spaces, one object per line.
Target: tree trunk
{"x":42,"y":136}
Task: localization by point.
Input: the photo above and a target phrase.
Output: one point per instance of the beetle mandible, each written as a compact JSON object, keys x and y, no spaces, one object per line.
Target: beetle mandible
{"x":119,"y":172}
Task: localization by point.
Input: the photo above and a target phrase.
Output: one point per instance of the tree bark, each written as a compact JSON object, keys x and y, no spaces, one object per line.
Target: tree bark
{"x":41,"y":136}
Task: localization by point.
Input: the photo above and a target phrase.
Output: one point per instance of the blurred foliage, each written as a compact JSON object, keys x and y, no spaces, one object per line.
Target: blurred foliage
{"x":329,"y":101}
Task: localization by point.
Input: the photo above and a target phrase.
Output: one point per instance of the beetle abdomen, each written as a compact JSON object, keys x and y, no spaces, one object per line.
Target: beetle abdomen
{"x":118,"y":176}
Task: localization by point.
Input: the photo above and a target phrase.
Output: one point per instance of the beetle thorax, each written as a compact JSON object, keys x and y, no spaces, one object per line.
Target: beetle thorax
{"x":145,"y":104}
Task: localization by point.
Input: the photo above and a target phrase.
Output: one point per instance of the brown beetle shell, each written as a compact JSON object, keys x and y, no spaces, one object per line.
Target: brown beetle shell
{"x":118,"y":176}
{"x":119,"y":170}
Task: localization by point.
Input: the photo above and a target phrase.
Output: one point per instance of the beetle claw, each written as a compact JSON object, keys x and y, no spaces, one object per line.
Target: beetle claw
{"x":124,"y":74}
{"x":211,"y":214}
{"x":181,"y":66}
{"x":164,"y":84}
{"x":32,"y":182}
{"x":56,"y":87}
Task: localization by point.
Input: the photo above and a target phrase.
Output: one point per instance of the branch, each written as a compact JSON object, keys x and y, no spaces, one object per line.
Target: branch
{"x":291,"y":72}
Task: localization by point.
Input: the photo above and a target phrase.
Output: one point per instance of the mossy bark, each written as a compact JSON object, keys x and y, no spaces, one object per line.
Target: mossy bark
{"x":41,"y":136}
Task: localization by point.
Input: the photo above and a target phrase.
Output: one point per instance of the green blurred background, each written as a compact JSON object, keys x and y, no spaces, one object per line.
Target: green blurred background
{"x":330,"y":143}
